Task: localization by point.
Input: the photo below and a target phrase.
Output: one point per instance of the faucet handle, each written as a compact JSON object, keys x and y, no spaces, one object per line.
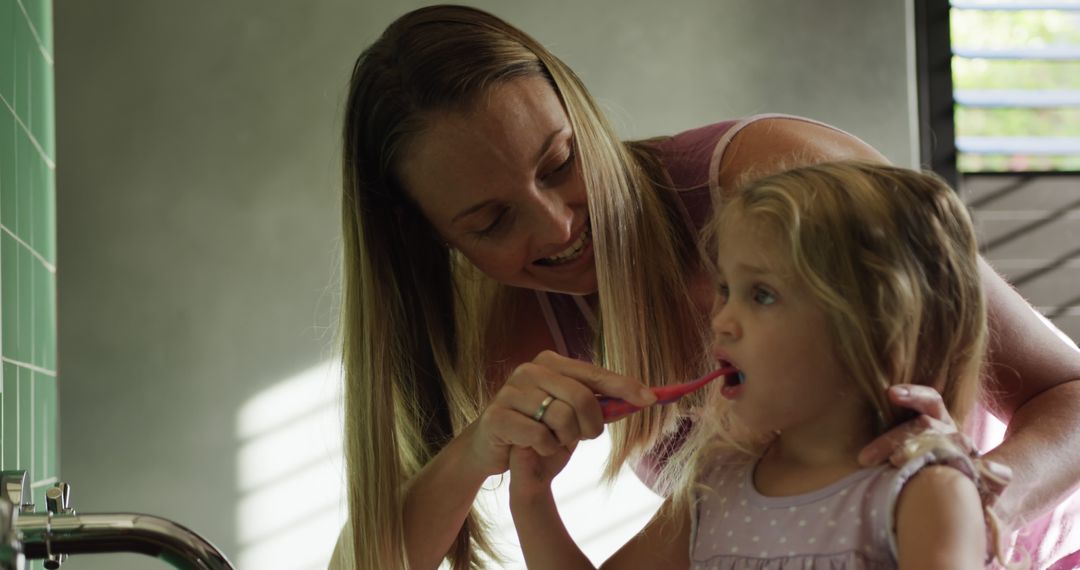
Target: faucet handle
{"x":11,"y":554}
{"x":57,"y":502}
{"x":15,"y":487}
{"x":58,"y":499}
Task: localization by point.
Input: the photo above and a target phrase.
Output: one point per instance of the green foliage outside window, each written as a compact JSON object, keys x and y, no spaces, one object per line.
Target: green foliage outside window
{"x":1016,"y":29}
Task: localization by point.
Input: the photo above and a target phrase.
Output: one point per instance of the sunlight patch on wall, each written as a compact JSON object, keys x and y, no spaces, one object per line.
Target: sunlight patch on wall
{"x":290,"y":473}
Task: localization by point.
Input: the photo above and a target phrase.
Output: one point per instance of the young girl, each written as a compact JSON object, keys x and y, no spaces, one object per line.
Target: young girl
{"x":834,"y":282}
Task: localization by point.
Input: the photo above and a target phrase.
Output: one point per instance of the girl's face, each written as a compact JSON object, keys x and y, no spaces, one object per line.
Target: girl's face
{"x":501,"y":184}
{"x":768,"y":324}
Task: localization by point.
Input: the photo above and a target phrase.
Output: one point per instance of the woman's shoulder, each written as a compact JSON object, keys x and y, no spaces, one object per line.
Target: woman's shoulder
{"x":727,"y":153}
{"x":763,"y":144}
{"x":774,"y":127}
{"x":686,"y":155}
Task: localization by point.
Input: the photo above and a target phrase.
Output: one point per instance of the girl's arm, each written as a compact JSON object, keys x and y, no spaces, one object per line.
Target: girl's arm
{"x":545,"y":542}
{"x":1035,"y":374}
{"x":662,"y":544}
{"x":939,"y":522}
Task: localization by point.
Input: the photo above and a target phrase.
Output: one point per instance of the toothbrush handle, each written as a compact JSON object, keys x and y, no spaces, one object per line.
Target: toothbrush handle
{"x":615,"y":408}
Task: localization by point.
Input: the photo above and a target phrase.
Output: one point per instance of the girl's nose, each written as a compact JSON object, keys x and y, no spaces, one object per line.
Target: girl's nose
{"x":725,"y":325}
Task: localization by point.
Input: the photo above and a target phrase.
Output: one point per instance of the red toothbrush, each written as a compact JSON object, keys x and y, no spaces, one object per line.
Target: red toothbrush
{"x":615,"y":408}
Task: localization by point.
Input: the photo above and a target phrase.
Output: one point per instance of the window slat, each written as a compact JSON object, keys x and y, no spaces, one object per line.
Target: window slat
{"x":1066,"y":53}
{"x":1016,"y":6}
{"x":1017,"y":98}
{"x":1032,"y":146}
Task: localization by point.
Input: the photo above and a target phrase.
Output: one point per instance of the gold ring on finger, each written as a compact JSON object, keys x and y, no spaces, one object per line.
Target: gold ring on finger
{"x":539,"y":415}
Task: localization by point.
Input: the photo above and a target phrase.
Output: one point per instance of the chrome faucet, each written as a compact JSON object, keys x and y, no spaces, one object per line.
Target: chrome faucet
{"x":59,"y":532}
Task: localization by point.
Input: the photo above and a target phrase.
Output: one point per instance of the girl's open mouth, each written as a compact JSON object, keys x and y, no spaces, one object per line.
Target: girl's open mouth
{"x":733,"y":382}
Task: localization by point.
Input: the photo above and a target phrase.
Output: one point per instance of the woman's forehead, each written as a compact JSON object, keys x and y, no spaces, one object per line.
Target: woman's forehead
{"x":513,"y":116}
{"x":492,"y":146}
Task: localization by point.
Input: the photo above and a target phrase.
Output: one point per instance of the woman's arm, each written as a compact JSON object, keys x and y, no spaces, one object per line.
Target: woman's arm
{"x":1036,"y":380}
{"x":438,"y":499}
{"x":939,"y":522}
{"x":1035,"y":386}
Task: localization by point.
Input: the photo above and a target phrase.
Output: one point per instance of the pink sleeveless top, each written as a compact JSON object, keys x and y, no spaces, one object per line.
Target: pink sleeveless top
{"x":692,"y":159}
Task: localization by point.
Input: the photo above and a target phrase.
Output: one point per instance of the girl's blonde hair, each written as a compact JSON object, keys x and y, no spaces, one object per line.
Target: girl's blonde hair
{"x":891,"y":256}
{"x":417,"y":318}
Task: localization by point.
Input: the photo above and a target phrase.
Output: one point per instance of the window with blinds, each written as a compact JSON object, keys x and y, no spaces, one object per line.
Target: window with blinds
{"x":1016,"y":85}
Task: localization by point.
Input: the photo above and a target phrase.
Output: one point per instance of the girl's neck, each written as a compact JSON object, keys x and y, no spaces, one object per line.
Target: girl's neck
{"x":798,"y":462}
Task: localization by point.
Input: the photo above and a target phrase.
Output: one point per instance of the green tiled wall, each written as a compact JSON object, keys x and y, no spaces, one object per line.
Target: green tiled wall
{"x":28,"y":414}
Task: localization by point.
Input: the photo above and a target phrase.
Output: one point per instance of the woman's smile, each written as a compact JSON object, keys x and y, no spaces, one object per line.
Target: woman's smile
{"x":575,"y":251}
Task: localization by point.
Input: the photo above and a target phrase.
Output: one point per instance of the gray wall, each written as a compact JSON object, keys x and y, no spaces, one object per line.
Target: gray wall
{"x":197,"y":175}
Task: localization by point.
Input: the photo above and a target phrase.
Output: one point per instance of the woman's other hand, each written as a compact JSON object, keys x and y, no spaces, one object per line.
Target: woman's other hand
{"x":547,"y":405}
{"x":933,"y":415}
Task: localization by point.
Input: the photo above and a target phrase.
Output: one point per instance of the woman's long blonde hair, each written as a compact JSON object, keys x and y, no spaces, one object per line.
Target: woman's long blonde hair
{"x":416,"y":317}
{"x":891,"y":256}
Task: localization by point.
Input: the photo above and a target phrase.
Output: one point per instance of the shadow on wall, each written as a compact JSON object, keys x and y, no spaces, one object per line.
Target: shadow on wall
{"x":1029,"y":227}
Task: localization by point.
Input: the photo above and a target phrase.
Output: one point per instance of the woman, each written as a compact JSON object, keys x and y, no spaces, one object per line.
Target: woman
{"x":497,"y":236}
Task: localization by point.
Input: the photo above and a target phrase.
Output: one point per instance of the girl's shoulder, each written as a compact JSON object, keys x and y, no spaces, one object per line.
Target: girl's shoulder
{"x":934,"y":490}
{"x":932,"y":466}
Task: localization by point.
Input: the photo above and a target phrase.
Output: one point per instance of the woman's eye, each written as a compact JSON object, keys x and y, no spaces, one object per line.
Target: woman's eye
{"x":562,"y":167}
{"x":764,"y":296}
{"x":493,"y":226}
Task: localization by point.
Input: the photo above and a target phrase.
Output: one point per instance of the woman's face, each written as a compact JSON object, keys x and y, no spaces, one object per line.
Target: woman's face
{"x":501,"y":184}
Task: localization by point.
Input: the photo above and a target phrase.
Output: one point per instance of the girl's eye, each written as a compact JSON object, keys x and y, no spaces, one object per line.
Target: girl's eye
{"x":564,"y":166}
{"x":723,"y":292}
{"x":763,"y":296}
